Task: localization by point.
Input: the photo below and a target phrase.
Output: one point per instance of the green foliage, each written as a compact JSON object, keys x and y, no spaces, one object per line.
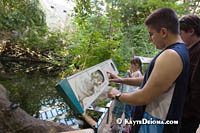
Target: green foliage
{"x":97,"y":37}
{"x":101,"y":102}
{"x":102,"y":31}
{"x":133,"y":14}
{"x":94,"y":114}
{"x":17,"y":15}
{"x":25,"y":23}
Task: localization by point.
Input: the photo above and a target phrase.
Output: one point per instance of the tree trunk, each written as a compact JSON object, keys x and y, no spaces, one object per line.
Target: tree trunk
{"x":18,"y":121}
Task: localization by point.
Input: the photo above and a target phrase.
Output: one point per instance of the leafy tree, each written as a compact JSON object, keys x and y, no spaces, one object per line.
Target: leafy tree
{"x":133,"y":14}
{"x":97,"y":37}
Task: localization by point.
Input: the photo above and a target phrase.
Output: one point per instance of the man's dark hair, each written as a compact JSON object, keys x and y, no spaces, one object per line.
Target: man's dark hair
{"x":163,"y":18}
{"x":187,"y":22}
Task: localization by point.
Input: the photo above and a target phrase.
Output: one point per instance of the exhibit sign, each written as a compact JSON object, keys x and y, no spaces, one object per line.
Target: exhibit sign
{"x":80,"y":90}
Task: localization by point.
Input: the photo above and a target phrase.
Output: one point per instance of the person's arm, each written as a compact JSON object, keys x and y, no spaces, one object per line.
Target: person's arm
{"x":194,"y":85}
{"x":167,"y":68}
{"x":129,"y":81}
{"x":133,"y":81}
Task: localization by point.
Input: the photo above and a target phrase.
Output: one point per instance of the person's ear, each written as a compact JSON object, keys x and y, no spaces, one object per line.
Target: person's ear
{"x":191,"y":31}
{"x":164,"y":32}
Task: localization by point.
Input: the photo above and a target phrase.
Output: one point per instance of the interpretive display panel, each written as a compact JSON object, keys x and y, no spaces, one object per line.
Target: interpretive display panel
{"x":81,"y":89}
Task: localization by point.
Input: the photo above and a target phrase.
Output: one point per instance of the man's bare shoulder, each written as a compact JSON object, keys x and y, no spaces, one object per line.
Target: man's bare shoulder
{"x":169,"y":56}
{"x":170,"y":52}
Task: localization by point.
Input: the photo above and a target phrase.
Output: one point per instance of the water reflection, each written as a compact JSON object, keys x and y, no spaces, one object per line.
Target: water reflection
{"x":32,"y":90}
{"x":36,"y":93}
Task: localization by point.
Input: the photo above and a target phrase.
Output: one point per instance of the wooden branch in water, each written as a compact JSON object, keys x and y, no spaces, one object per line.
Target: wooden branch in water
{"x":89,"y":120}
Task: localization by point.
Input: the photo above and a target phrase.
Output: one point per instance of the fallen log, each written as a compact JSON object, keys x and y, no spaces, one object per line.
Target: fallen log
{"x":13,"y":119}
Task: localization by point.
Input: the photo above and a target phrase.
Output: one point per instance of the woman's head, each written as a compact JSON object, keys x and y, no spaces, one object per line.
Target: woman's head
{"x":136,"y":64}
